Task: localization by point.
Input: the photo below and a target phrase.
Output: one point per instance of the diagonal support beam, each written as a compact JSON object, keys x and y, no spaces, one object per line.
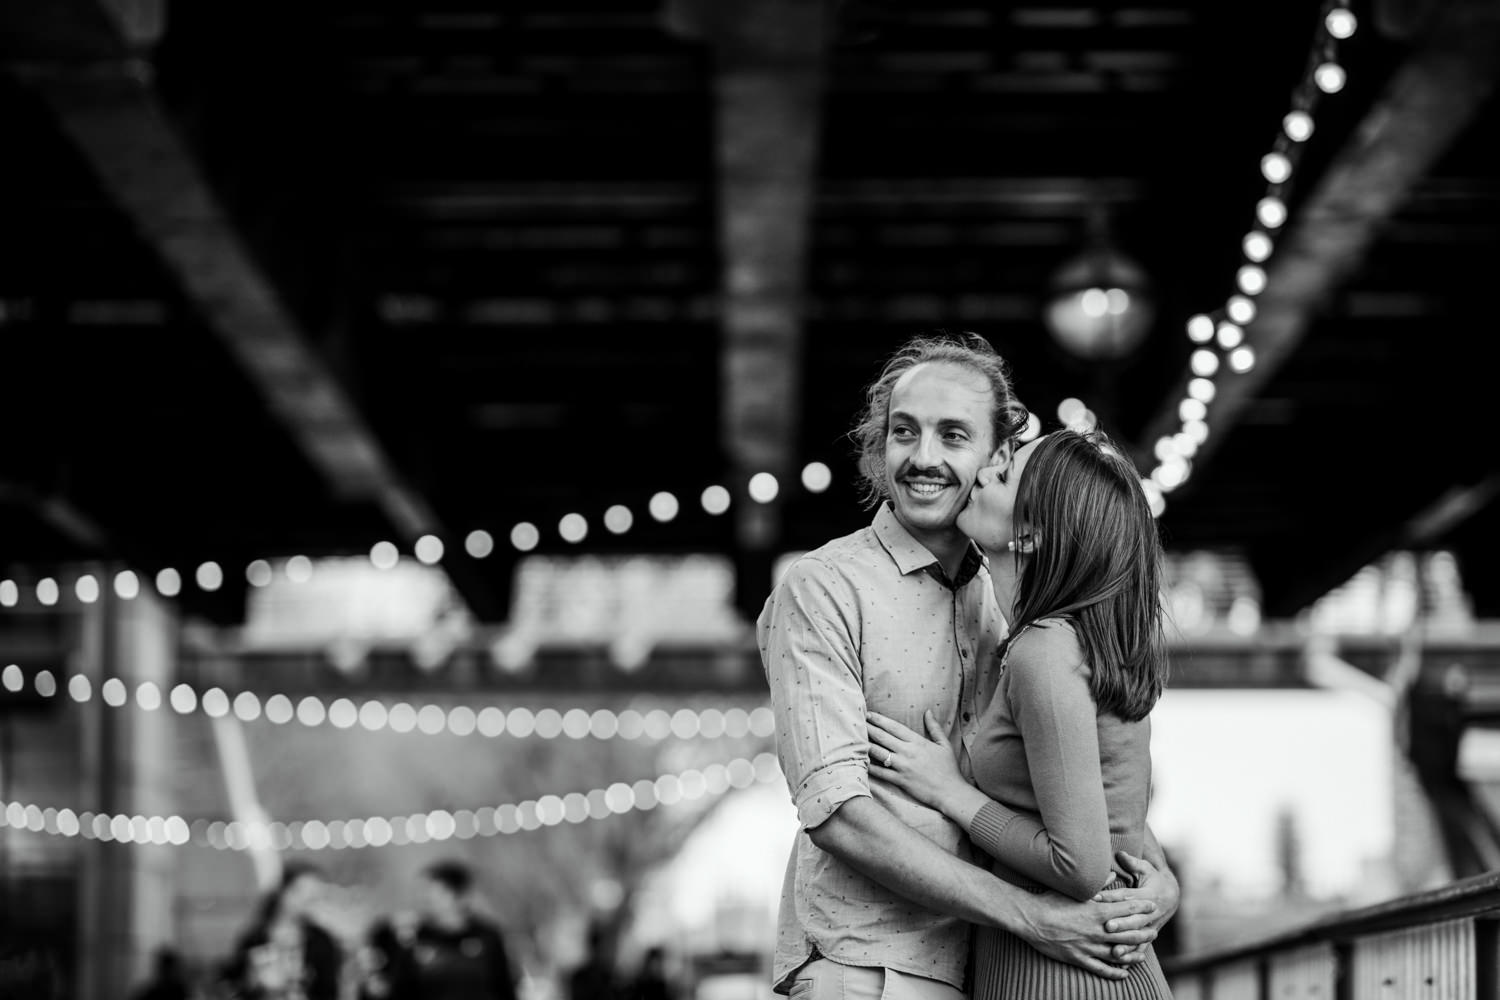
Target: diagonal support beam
{"x":1456,"y":506}
{"x":86,"y":60}
{"x":1427,"y":104}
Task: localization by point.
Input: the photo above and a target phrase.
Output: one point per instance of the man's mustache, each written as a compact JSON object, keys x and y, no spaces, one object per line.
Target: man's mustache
{"x":931,"y":472}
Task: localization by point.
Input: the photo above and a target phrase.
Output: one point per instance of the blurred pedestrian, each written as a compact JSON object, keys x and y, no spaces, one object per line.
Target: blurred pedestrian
{"x":453,"y":953}
{"x":168,"y":980}
{"x":383,"y":955}
{"x":650,"y":982}
{"x":28,"y":972}
{"x":595,"y":978}
{"x":286,"y":954}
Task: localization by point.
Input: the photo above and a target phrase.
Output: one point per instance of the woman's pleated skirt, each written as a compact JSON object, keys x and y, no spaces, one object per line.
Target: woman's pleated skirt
{"x":1007,"y":968}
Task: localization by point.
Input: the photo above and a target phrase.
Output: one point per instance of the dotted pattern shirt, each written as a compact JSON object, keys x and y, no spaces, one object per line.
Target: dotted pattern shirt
{"x":871,"y":621}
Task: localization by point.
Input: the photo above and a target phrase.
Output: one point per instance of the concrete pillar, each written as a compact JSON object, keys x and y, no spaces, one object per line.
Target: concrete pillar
{"x":126,"y":891}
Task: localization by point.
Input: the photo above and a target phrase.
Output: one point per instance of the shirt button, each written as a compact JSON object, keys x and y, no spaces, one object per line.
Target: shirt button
{"x":963,"y":654}
{"x":966,"y":716}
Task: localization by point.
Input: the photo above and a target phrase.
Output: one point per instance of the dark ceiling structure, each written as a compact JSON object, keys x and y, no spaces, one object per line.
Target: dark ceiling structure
{"x":282,"y":278}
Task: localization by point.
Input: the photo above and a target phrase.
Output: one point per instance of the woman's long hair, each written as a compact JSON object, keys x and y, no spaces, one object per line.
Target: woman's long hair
{"x":1096,"y":559}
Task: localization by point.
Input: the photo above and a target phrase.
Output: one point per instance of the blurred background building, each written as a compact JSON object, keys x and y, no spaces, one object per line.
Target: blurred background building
{"x":408,"y":407}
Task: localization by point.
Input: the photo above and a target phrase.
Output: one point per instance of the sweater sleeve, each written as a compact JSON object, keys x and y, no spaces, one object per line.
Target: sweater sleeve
{"x":1067,"y":847}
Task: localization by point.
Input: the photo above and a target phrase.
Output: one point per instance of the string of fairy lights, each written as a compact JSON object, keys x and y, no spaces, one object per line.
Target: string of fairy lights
{"x":400,"y":717}
{"x":376,"y":715}
{"x":398,"y":831}
{"x":1222,"y":337}
{"x":525,"y":536}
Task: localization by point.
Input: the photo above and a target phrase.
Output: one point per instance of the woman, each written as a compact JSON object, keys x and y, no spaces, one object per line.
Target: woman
{"x":286,"y":955}
{"x":1062,"y":759}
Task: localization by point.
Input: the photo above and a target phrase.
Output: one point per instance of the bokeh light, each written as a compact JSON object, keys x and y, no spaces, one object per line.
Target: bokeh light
{"x":1251,"y":279}
{"x":1241,"y":309}
{"x":479,"y":543}
{"x":663,"y":506}
{"x":258,"y":573}
{"x":299,"y":569}
{"x":1270,"y":211}
{"x":525,"y":536}
{"x":618,"y":519}
{"x":1275,"y":167}
{"x":1298,"y":125}
{"x":573,"y":528}
{"x":816,"y":477}
{"x":763,"y":487}
{"x":1192,"y":409}
{"x":1329,"y":77}
{"x":209,"y":576}
{"x":1257,"y":247}
{"x":384,"y":555}
{"x":429,"y":550}
{"x":1340,"y":22}
{"x":715,"y":500}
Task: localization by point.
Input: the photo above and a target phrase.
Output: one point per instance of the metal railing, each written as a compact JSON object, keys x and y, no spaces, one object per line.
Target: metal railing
{"x":1440,"y":944}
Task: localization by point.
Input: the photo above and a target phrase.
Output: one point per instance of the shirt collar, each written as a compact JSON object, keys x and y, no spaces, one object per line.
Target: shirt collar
{"x":970,"y":567}
{"x":911,"y":555}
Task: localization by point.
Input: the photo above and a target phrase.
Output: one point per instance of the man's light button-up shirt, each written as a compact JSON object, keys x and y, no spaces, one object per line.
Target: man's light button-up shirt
{"x":870,"y":621}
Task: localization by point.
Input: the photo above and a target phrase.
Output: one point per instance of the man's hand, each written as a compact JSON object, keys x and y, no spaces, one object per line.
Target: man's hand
{"x":1090,"y":935}
{"x":1157,"y":885}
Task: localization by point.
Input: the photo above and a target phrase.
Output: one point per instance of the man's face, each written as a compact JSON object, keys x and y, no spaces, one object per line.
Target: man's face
{"x":302,"y":894}
{"x":938,"y":436}
{"x":440,"y":902}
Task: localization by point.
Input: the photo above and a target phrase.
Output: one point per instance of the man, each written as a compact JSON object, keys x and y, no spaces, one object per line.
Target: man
{"x":594,"y":978}
{"x":897,"y":618}
{"x":651,"y":982}
{"x":168,"y":980}
{"x":453,"y":953}
{"x":28,"y":972}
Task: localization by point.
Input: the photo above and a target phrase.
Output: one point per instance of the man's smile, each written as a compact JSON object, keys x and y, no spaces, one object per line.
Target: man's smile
{"x":925,"y":489}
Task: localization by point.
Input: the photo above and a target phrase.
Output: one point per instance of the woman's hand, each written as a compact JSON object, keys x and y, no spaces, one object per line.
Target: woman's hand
{"x":921,"y":766}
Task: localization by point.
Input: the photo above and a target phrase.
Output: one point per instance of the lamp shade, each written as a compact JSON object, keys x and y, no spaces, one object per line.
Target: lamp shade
{"x":1100,"y":305}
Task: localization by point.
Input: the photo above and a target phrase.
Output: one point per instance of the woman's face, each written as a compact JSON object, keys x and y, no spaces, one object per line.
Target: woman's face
{"x":989,"y":516}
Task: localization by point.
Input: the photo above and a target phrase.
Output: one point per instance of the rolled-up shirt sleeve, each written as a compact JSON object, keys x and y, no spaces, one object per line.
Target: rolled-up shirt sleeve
{"x":808,"y":637}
